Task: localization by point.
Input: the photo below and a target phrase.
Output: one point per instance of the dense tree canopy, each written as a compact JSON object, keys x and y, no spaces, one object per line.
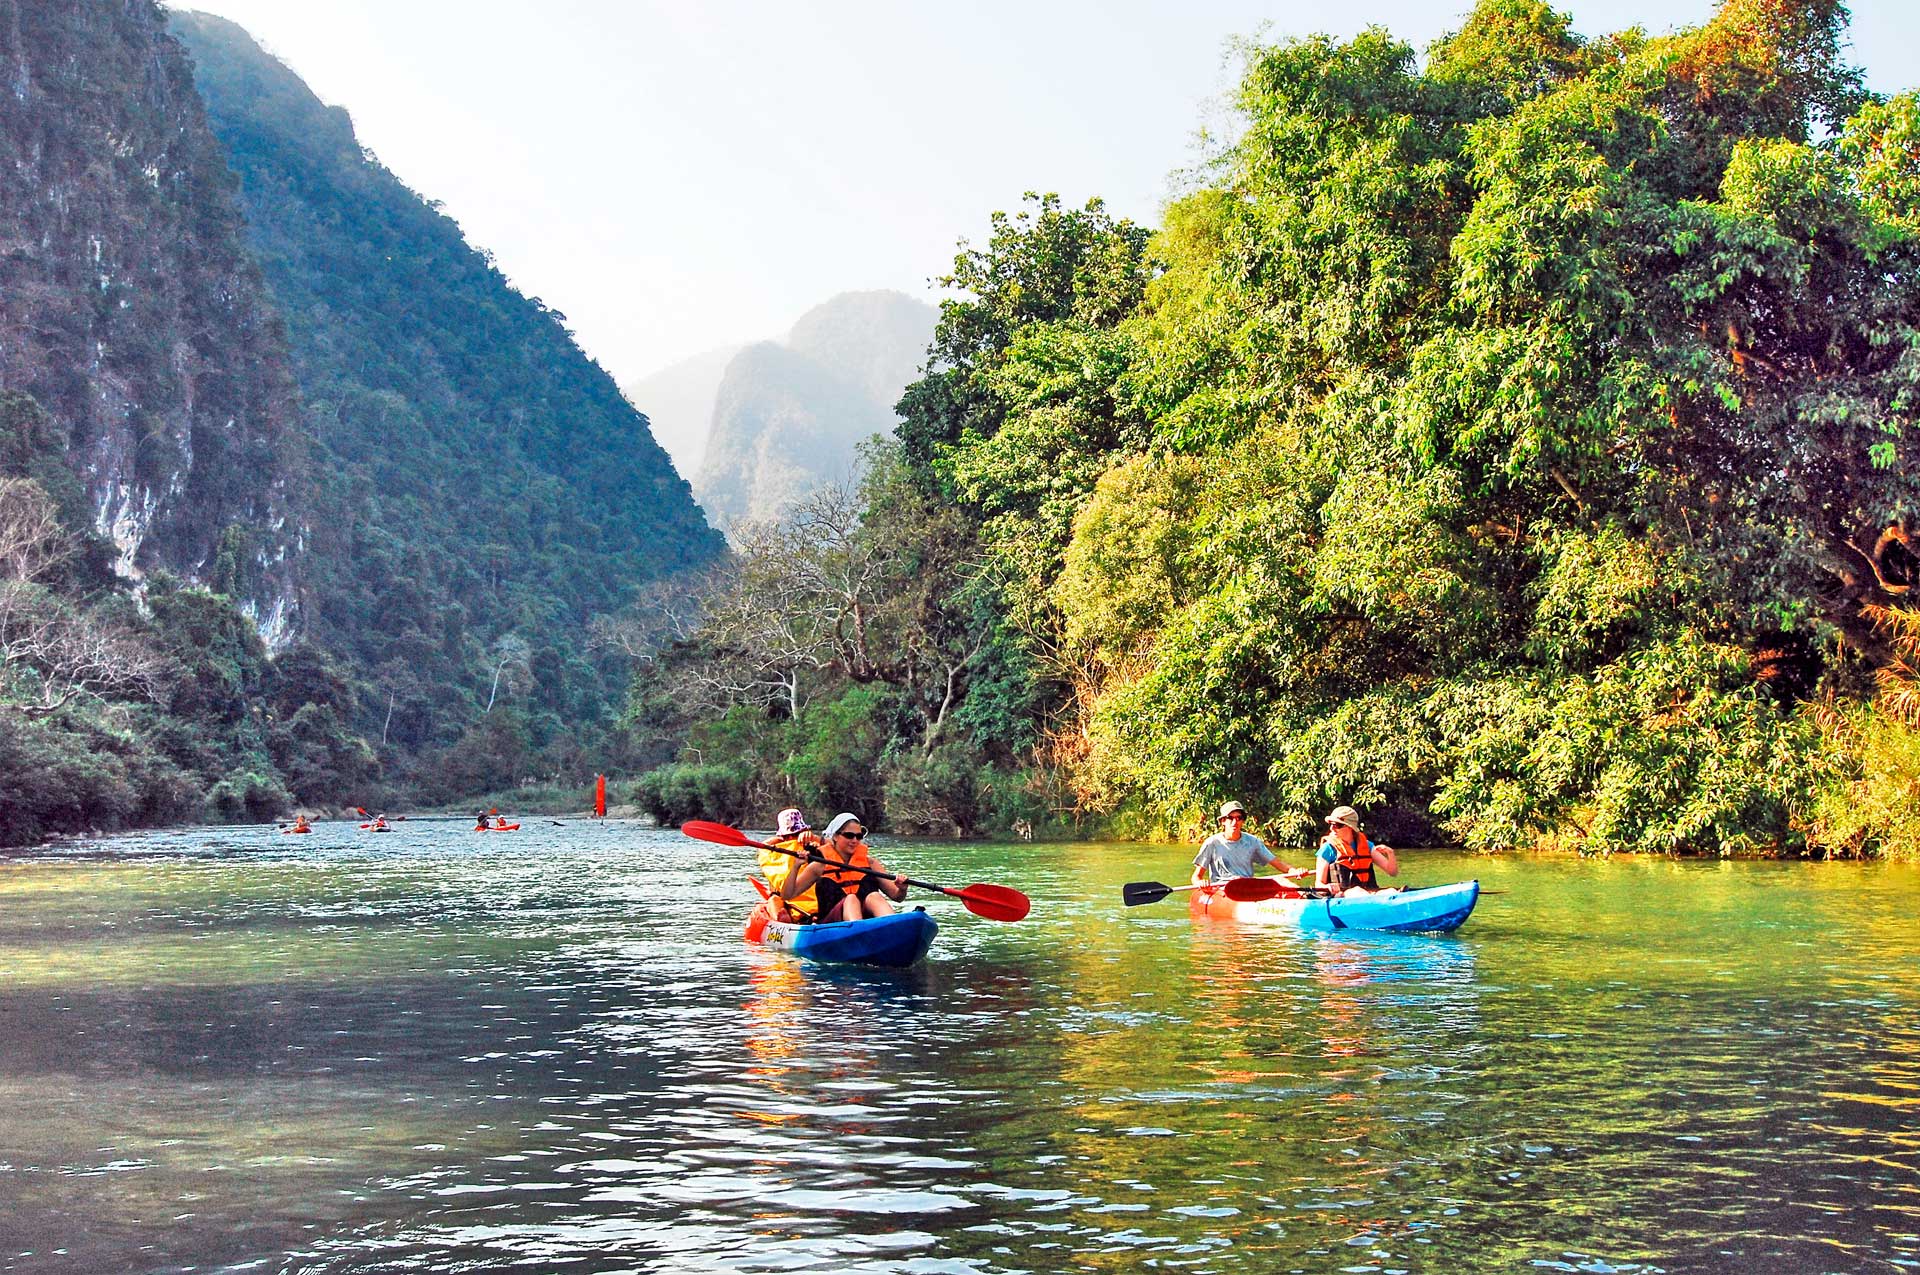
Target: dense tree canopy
{"x":1513,"y":441}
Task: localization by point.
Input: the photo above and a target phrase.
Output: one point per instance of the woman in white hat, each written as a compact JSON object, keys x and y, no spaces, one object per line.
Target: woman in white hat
{"x":849,"y":883}
{"x":1233,"y":852}
{"x":1348,"y":861}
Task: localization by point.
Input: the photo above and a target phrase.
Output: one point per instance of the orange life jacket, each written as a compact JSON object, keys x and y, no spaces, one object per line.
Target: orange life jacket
{"x":846,"y":871}
{"x":1353,"y":862}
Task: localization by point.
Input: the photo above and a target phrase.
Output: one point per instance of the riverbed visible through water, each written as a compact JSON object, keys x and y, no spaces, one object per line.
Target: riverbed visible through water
{"x":550,"y":1051}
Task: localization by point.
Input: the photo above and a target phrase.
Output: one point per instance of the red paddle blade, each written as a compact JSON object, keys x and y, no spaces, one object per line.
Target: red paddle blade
{"x":720,"y":833}
{"x":1251,"y":889}
{"x":995,"y":902}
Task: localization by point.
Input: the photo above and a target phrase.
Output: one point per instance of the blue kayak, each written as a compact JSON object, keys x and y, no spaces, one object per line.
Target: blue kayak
{"x":1434,"y":909}
{"x":896,"y":940}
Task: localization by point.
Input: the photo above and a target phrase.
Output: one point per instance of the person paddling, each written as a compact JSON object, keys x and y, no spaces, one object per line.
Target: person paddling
{"x":300,"y":824}
{"x":789,"y":901}
{"x":1234,"y":852}
{"x":1347,"y":862}
{"x":845,"y":892}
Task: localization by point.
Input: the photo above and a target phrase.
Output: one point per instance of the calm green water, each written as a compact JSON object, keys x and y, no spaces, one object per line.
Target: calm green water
{"x":435,"y":1051}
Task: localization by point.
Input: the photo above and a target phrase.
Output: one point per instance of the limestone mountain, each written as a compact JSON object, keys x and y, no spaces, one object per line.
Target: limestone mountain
{"x":789,"y":416}
{"x":132,"y":316}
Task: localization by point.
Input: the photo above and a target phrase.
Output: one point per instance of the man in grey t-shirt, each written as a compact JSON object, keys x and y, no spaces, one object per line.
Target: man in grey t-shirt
{"x":1232,"y":853}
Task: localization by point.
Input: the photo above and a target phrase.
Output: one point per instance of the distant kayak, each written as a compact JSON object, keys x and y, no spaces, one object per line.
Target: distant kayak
{"x":1436,"y":908}
{"x":288,"y":832}
{"x":505,"y":827}
{"x":894,"y":941}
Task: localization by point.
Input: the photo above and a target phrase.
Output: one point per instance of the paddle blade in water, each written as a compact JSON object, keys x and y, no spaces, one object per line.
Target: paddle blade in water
{"x":1250,"y":889}
{"x":1138,"y":892}
{"x":995,"y":902}
{"x":703,"y":830}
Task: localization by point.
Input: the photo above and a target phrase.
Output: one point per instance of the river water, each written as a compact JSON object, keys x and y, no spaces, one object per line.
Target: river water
{"x":222,"y":1049}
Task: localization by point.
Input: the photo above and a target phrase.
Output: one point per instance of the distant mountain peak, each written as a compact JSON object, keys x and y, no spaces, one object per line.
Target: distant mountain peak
{"x":789,"y":417}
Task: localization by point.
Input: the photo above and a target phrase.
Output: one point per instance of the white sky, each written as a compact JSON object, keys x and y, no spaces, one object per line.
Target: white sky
{"x":677,"y":176}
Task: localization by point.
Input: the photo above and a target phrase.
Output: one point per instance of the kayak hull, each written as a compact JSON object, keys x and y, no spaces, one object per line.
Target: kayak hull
{"x":1436,"y":909}
{"x":892,"y":941}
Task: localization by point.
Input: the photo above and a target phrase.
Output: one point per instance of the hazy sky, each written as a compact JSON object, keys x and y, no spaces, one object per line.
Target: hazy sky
{"x":676,"y":176}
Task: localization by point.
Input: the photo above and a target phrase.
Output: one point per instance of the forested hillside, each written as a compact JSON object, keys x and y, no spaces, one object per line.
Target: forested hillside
{"x":1512,"y":442}
{"x":153,"y":510}
{"x":300,"y":501}
{"x":480,"y":489}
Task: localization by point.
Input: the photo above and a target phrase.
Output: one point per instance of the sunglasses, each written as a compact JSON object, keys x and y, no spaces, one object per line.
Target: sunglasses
{"x":1237,"y":818}
{"x":855,"y":833}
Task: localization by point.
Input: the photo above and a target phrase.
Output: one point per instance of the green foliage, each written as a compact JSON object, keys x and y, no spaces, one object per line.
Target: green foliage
{"x":1130,"y":556}
{"x":1673,"y":749}
{"x":680,"y":791}
{"x":1869,"y":800}
{"x":1881,"y":145}
{"x":249,"y":796}
{"x":941,"y":791}
{"x":61,"y":778}
{"x":1508,"y":446}
{"x":835,"y":759}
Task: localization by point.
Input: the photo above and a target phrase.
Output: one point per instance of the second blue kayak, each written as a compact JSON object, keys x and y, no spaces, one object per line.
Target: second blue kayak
{"x":1435,"y":909}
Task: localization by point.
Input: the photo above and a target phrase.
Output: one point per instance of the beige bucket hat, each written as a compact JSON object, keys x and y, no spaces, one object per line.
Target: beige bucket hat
{"x":1347,"y":815}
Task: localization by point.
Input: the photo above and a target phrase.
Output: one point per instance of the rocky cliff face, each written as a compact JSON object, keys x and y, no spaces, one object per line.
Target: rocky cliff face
{"x":130,"y":309}
{"x":789,"y":418}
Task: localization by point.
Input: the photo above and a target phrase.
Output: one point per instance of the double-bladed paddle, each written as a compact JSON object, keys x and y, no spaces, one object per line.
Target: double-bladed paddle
{"x":1239,"y":889}
{"x":995,"y":902}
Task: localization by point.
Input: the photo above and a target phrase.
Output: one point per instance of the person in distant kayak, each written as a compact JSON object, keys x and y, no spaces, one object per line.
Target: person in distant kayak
{"x":1233,"y":851}
{"x":480,"y":822}
{"x":789,"y":901}
{"x":842,"y":874}
{"x":1348,"y":863}
{"x":300,"y":824}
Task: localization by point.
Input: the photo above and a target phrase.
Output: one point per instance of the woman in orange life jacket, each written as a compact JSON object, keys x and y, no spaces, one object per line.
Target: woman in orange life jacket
{"x":790,"y":902}
{"x":1347,"y":860}
{"x":845,"y":892}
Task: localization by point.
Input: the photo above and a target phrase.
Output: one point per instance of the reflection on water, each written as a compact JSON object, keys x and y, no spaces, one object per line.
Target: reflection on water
{"x":221,"y":1051}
